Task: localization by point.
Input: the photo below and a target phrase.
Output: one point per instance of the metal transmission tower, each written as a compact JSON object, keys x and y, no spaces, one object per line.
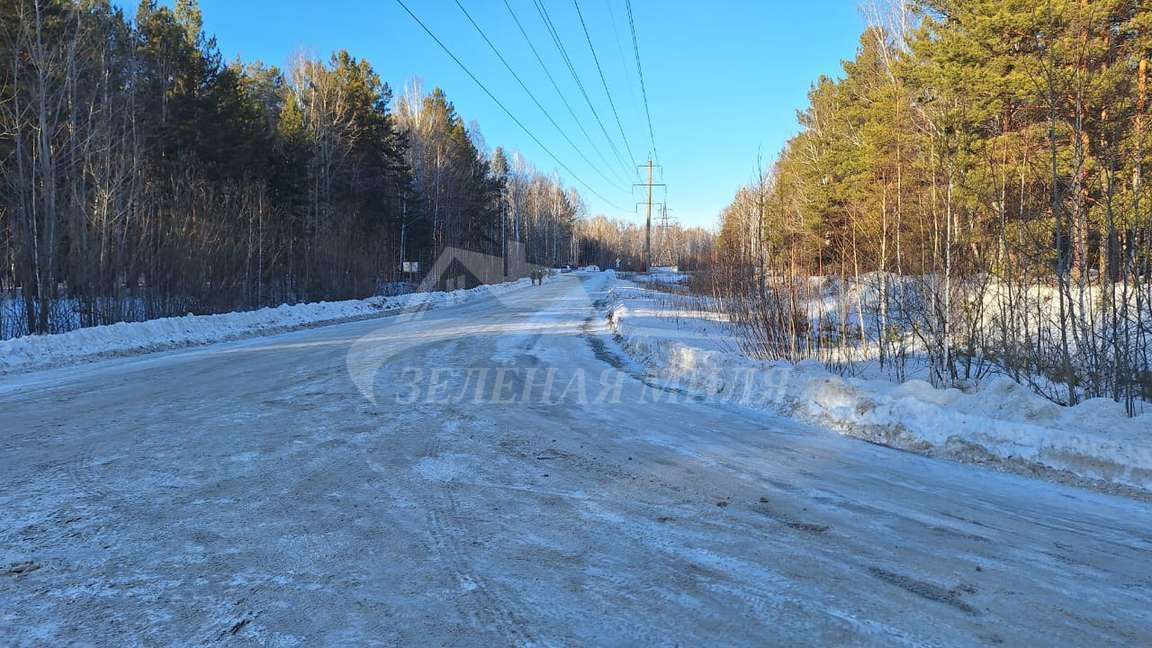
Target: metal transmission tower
{"x":665,"y":254}
{"x":648,"y":218}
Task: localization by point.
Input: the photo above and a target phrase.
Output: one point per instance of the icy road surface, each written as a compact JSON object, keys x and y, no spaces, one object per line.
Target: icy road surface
{"x":285,"y":491}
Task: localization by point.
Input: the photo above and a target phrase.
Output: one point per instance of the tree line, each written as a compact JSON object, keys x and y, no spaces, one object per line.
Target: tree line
{"x":973,"y":186}
{"x":144,"y":176}
{"x":612,"y":243}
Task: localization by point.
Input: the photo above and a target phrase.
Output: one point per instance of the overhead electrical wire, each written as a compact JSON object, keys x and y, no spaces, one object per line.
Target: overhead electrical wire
{"x":604,"y":82}
{"x":544,"y":110}
{"x":559,"y":92}
{"x":633,"y":97}
{"x":502,"y":106}
{"x":543,"y":11}
{"x":640,"y":71}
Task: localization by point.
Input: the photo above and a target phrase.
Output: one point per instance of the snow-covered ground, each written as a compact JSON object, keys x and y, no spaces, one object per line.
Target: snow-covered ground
{"x":663,"y":276}
{"x":128,"y":338}
{"x":881,"y":325}
{"x":999,"y":421}
{"x":511,"y":479}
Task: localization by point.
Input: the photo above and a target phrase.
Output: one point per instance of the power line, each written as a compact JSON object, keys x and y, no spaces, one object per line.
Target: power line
{"x":502,"y":106}
{"x":640,"y":71}
{"x":556,"y":87}
{"x":543,"y":11}
{"x":603,"y":81}
{"x":534,"y":99}
{"x":632,"y":97}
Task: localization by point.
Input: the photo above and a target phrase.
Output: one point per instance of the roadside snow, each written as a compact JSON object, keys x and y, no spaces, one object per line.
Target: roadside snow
{"x":129,"y":338}
{"x":663,"y":276}
{"x":1001,"y":422}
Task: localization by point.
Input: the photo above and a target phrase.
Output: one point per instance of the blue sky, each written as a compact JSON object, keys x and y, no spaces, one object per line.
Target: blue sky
{"x":724,"y":77}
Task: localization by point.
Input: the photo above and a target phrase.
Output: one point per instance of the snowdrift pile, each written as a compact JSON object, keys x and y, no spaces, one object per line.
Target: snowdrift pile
{"x":1002,"y":422}
{"x":128,"y":338}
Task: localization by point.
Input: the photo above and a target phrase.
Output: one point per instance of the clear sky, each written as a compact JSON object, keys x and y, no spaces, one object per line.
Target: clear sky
{"x":724,"y":77}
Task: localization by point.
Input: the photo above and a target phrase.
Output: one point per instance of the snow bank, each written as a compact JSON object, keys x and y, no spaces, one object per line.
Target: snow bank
{"x":129,"y":338}
{"x":663,"y":276}
{"x":1003,"y":422}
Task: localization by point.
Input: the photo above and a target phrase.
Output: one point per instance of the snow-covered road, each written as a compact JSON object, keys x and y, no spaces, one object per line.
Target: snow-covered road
{"x":495,"y":474}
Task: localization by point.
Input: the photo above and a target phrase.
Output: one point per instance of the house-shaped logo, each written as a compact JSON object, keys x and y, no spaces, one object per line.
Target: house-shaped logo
{"x":458,"y":269}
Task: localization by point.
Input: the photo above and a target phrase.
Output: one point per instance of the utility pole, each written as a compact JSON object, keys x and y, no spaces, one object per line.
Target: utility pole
{"x":648,"y":220}
{"x":503,"y":236}
{"x":648,"y":223}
